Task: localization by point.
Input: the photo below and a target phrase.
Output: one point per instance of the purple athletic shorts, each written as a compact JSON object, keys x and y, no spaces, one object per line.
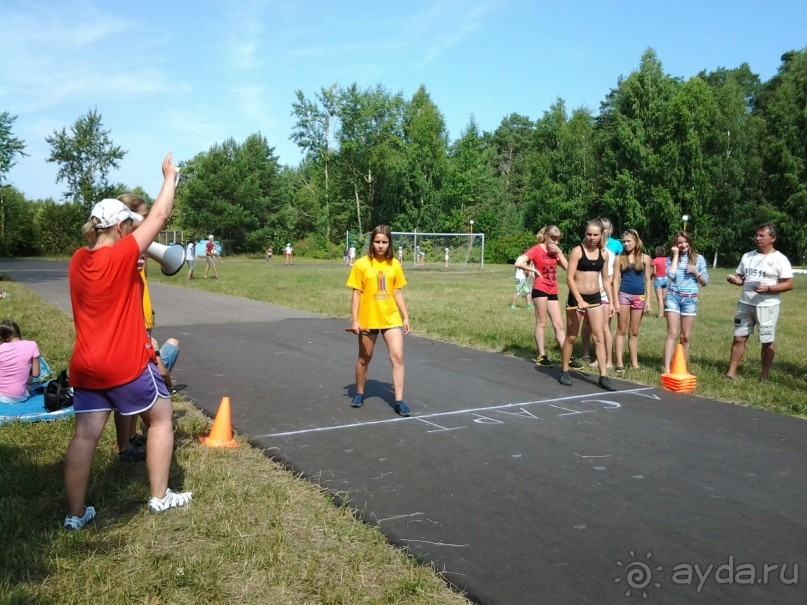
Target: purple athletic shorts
{"x":129,"y":399}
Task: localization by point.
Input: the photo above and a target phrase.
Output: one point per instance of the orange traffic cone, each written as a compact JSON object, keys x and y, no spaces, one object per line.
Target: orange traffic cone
{"x":222,"y":433}
{"x":679,"y":380}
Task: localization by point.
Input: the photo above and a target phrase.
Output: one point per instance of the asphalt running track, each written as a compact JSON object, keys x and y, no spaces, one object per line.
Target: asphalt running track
{"x":520,"y":490}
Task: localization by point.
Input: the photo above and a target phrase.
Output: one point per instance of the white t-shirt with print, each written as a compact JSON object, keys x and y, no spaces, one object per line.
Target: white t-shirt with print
{"x":762,"y":270}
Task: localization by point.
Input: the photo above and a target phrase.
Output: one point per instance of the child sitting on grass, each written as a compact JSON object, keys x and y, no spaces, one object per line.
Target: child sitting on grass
{"x":19,"y":363}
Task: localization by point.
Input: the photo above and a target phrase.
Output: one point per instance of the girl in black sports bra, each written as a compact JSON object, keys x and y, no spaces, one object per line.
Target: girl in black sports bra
{"x":587,"y":304}
{"x":586,"y":264}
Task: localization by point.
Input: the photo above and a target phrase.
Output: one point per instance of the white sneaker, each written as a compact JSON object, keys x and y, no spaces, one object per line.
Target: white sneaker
{"x":171,"y":500}
{"x":74,"y":523}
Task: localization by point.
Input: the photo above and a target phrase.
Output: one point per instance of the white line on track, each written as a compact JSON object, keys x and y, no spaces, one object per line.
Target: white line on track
{"x":425,"y":417}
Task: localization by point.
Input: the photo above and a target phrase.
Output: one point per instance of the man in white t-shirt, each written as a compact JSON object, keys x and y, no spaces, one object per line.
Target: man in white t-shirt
{"x":763,"y":274}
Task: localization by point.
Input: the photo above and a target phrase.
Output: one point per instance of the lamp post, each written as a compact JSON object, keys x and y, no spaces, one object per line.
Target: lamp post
{"x":685,"y":219}
{"x":471,"y":223}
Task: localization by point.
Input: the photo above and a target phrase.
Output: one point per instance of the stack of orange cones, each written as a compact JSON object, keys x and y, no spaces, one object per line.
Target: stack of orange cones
{"x":679,"y":380}
{"x":222,"y":433}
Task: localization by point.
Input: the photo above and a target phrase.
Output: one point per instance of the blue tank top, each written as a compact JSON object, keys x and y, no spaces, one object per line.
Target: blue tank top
{"x":632,"y":280}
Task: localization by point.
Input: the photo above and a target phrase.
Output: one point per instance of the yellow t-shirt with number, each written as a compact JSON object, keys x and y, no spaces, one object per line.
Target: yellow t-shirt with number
{"x":377,"y":281}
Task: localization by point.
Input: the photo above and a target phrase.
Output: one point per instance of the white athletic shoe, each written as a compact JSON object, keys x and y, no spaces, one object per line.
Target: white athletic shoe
{"x":74,"y":523}
{"x":171,"y":500}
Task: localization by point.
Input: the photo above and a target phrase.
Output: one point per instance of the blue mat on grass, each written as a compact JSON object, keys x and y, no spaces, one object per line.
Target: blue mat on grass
{"x":32,"y":410}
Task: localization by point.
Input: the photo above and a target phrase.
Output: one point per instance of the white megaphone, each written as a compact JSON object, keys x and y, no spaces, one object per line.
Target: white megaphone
{"x":171,"y":258}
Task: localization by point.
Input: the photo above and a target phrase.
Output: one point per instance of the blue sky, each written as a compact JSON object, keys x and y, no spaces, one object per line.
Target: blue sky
{"x":181,"y":76}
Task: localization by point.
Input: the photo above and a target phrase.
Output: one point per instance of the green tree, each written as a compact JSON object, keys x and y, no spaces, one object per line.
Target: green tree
{"x":85,"y":156}
{"x":370,"y":138}
{"x":58,"y":226}
{"x":470,"y":183}
{"x":783,"y":105}
{"x":562,"y":171}
{"x":632,"y":131}
{"x":416,"y":201}
{"x":10,"y":148}
{"x":313,"y":132}
{"x":19,"y":227}
{"x":232,"y":190}
{"x":734,"y":164}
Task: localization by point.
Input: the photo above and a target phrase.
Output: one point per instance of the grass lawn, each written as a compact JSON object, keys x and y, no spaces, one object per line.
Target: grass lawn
{"x":270,"y":537}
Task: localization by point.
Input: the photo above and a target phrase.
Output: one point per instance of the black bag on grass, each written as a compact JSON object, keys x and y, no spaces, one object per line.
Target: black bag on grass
{"x":58,"y":393}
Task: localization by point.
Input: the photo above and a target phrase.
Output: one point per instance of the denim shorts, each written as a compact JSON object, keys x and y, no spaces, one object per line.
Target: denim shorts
{"x":659,"y":283}
{"x":169,"y":354}
{"x":683,"y":305}
{"x":132,"y":398}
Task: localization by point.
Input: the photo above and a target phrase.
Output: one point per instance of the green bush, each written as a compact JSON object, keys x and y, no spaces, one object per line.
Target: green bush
{"x":508,"y":248}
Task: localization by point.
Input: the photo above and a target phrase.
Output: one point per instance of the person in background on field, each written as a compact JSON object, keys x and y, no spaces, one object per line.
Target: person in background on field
{"x":190,"y":256}
{"x":400,"y":254}
{"x":585,"y":299}
{"x":421,"y":256}
{"x":269,"y":252}
{"x":686,"y":272}
{"x":614,"y":246}
{"x":632,"y":275}
{"x":113,"y":365}
{"x":19,"y":363}
{"x":522,"y":284}
{"x":289,"y":251}
{"x":545,"y":257}
{"x":445,"y":256}
{"x":660,"y":277}
{"x":351,"y":255}
{"x":764,"y":275}
{"x":210,"y":257}
{"x":377,"y":307}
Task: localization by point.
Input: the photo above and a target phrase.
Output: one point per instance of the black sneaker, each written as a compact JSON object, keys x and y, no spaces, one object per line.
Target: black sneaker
{"x":138,"y":441}
{"x":544,"y":362}
{"x":565,"y":379}
{"x":132,"y":454}
{"x":606,"y":383}
{"x":574,"y":364}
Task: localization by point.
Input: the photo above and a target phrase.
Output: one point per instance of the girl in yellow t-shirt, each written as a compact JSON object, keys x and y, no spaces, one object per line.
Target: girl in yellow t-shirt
{"x":378,"y":306}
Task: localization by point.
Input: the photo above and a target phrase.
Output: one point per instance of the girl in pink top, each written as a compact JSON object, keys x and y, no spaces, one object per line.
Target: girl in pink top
{"x":660,"y":277}
{"x":19,"y":362}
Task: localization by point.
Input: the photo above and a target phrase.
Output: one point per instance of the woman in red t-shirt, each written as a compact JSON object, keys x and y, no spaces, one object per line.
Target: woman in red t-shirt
{"x":113,"y":363}
{"x":545,"y":257}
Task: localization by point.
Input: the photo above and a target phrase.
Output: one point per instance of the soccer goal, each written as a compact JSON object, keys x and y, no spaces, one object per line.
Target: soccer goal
{"x":439,"y":250}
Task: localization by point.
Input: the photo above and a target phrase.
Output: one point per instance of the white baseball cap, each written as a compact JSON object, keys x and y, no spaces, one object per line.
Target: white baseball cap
{"x":110,"y":212}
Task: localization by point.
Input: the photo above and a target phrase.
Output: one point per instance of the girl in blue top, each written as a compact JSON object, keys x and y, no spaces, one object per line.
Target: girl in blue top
{"x":632,"y":275}
{"x":686,"y":272}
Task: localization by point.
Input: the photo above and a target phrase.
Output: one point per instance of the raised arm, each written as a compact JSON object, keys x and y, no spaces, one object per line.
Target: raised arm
{"x":160,"y":211}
